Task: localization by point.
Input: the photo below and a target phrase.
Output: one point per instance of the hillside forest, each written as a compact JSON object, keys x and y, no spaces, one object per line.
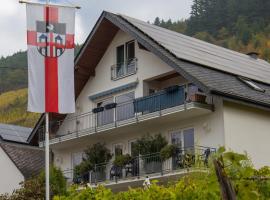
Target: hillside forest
{"x":240,"y":25}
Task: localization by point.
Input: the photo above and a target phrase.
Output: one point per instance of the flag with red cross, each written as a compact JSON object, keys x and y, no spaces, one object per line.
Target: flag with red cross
{"x":50,"y":41}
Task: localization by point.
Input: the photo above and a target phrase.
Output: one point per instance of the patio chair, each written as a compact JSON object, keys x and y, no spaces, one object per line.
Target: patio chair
{"x":115,"y":172}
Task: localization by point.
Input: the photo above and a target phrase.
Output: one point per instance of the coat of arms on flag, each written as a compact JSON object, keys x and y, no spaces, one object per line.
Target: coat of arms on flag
{"x":50,"y":40}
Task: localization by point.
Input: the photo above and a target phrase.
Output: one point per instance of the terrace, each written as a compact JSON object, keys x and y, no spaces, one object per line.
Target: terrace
{"x":154,"y":166}
{"x":172,"y":102}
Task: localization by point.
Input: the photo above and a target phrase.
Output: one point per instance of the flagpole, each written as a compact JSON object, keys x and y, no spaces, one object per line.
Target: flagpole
{"x":47,"y":149}
{"x":47,"y":157}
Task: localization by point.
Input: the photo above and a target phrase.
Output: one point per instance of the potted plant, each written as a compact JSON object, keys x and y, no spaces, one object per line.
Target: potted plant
{"x":149,"y":148}
{"x":122,"y":160}
{"x":96,"y":154}
{"x":168,"y":151}
{"x":197,"y":97}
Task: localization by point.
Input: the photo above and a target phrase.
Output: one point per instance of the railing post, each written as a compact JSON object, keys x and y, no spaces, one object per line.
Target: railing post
{"x":95,"y":121}
{"x":186,"y":95}
{"x":159,"y":99}
{"x":95,"y":174}
{"x":115,"y":120}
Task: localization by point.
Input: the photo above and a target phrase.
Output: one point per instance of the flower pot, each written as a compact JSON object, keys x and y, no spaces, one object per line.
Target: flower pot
{"x":200,"y":98}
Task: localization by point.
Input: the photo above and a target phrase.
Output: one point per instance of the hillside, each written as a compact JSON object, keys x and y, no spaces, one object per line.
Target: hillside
{"x":240,"y":25}
{"x":13,"y":109}
{"x":13,"y":71}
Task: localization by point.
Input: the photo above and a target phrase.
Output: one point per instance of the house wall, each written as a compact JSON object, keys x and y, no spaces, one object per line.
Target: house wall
{"x":149,"y":66}
{"x":9,"y":173}
{"x":247,"y":129}
{"x":208,"y":132}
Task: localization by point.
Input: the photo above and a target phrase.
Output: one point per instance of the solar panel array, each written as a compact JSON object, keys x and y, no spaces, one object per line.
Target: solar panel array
{"x":198,"y":51}
{"x":14,"y":133}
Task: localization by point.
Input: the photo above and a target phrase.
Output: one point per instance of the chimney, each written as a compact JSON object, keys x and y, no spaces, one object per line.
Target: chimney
{"x":253,"y":55}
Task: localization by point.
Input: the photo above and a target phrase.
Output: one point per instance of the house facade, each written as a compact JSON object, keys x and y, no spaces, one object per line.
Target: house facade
{"x":19,"y":160}
{"x":134,"y":79}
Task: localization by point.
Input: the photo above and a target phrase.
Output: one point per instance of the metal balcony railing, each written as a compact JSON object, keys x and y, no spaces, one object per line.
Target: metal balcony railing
{"x":146,"y":165}
{"x":113,"y":114}
{"x":121,"y":70}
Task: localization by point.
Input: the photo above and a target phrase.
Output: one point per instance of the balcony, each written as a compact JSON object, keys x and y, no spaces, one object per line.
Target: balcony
{"x":172,"y":103}
{"x":121,"y":70}
{"x":186,"y":160}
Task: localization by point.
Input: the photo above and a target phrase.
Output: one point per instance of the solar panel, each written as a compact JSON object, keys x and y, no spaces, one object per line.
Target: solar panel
{"x":14,"y":133}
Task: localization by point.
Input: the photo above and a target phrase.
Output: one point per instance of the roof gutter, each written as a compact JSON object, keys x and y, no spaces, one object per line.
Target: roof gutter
{"x":241,"y":100}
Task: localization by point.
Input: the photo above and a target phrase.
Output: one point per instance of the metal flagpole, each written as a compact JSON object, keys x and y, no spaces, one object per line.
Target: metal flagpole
{"x":47,"y":146}
{"x":47,"y":157}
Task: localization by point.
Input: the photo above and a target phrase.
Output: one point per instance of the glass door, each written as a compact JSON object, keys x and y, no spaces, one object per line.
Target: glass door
{"x":120,"y":59}
{"x":130,"y":55}
{"x":125,"y":107}
{"x":106,"y":116}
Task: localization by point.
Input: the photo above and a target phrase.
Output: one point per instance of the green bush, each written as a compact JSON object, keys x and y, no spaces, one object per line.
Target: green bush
{"x":149,"y":144}
{"x":168,"y":151}
{"x":122,"y":160}
{"x":196,"y":185}
{"x":96,"y":154}
{"x":34,"y":189}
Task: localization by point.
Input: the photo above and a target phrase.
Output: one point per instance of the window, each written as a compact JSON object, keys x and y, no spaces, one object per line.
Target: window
{"x":251,"y":84}
{"x":76,"y":159}
{"x":125,"y":60}
{"x":183,"y":138}
{"x":118,"y":150}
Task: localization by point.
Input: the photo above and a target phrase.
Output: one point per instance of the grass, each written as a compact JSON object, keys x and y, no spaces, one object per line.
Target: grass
{"x":13,"y":109}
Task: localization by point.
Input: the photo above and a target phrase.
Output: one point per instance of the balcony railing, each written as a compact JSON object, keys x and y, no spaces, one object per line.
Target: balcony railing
{"x":121,"y":70}
{"x":113,"y":115}
{"x":146,"y":165}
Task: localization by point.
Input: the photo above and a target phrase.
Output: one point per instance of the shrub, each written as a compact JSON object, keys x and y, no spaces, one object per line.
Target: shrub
{"x":149,"y":144}
{"x":34,"y":189}
{"x":168,"y":151}
{"x":196,"y":185}
{"x":96,"y":154}
{"x":122,"y":160}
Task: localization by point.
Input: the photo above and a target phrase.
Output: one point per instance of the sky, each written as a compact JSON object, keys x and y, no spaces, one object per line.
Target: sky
{"x":13,"y":17}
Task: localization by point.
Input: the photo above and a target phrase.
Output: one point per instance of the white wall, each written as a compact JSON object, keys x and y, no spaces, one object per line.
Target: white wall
{"x":149,"y":66}
{"x":208,"y":132}
{"x":10,"y":176}
{"x":248,"y":129}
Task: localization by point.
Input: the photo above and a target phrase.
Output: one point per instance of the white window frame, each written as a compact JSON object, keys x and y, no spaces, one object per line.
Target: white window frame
{"x":181,"y":131}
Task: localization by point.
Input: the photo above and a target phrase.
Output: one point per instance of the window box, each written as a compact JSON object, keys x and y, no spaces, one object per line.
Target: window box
{"x":200,"y":98}
{"x":97,"y":110}
{"x":110,"y":106}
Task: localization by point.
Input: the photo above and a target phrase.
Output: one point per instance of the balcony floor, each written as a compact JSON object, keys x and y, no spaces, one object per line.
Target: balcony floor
{"x":181,"y":112}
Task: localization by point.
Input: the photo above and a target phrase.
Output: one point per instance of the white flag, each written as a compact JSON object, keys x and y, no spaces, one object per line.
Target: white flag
{"x":50,"y":40}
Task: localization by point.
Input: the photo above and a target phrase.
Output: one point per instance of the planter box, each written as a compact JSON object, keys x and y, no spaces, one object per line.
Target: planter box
{"x":200,"y":98}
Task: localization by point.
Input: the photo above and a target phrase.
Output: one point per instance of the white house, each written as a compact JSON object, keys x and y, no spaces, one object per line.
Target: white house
{"x":133,"y":78}
{"x":18,"y":160}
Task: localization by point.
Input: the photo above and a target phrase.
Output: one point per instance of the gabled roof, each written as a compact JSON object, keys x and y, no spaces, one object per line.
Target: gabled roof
{"x":204,"y":53}
{"x":29,"y":160}
{"x":14,"y":133}
{"x":213,"y":76}
{"x":213,"y":69}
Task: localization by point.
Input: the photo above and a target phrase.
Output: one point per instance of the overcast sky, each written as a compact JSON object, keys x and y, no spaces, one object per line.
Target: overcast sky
{"x":13,"y":24}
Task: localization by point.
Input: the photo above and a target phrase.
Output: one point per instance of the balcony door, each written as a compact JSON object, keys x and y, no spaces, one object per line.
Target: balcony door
{"x":130,"y":55}
{"x":183,"y":139}
{"x":125,"y":107}
{"x":106,"y":116}
{"x":120,"y":60}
